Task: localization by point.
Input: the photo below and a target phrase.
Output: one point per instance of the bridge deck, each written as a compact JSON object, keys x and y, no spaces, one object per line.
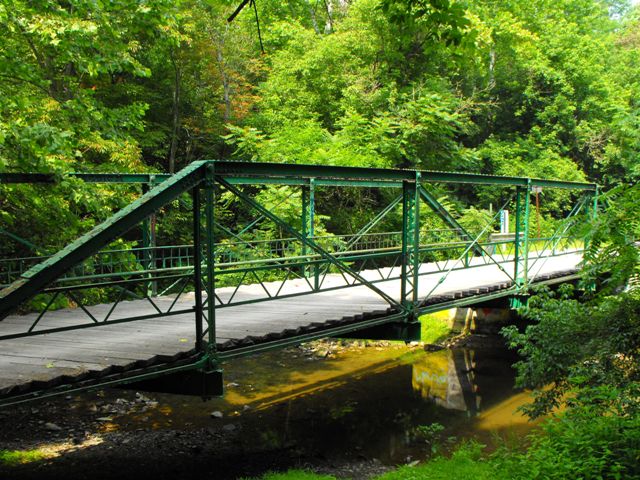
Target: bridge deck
{"x":51,"y":359}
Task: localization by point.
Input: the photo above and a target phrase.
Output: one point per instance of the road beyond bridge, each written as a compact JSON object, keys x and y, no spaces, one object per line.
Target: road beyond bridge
{"x":165,"y":316}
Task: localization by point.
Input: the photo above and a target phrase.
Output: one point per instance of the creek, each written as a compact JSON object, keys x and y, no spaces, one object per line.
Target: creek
{"x":351,"y":409}
{"x":334,"y":402}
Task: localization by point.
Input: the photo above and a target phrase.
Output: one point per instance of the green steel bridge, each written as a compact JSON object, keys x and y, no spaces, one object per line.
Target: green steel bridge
{"x":165,"y":316}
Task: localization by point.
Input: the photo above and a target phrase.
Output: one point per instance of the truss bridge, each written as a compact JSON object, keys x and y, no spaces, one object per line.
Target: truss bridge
{"x":261,"y":267}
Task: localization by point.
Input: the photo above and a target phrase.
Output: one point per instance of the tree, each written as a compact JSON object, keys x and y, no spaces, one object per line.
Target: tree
{"x":65,"y":68}
{"x":585,"y":351}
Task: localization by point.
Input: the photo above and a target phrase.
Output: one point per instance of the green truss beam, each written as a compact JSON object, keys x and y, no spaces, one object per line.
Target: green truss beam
{"x":37,"y":277}
{"x":18,"y":239}
{"x":149,"y":178}
{"x":298,"y":174}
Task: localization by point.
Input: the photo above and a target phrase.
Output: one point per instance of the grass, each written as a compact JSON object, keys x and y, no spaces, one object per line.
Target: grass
{"x":19,"y":457}
{"x":435,"y":327}
{"x":466,"y":462}
{"x":586,"y":443}
{"x":296,"y":475}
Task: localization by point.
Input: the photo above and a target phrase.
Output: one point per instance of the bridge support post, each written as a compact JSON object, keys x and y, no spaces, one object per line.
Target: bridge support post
{"x":210,"y":358}
{"x":410,"y":247}
{"x":149,"y":244}
{"x":592,"y":217}
{"x":521,"y":240}
{"x":308,"y":222}
{"x":210,"y":259}
{"x":197,"y":267}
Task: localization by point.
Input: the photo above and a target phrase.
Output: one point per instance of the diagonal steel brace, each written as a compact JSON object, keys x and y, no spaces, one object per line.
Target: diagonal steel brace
{"x":443,"y":213}
{"x":309,"y":242}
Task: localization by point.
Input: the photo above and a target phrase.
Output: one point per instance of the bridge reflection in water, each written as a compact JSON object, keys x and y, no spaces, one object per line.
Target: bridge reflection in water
{"x":465,"y":380}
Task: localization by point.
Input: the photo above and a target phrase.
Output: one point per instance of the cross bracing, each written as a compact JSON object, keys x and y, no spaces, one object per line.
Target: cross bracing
{"x":396,"y":275}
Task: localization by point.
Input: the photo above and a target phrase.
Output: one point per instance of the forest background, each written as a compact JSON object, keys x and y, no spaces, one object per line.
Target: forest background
{"x":543,"y":89}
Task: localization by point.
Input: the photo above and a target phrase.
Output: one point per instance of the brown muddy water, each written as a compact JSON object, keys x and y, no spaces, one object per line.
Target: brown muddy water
{"x":352,"y":410}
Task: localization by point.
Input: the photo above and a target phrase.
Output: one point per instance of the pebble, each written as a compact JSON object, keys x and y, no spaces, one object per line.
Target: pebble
{"x":217,"y":414}
{"x":142,"y":398}
{"x":230,"y":427}
{"x":52,"y":427}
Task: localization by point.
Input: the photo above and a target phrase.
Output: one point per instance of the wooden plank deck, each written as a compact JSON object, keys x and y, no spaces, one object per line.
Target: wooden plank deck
{"x":46,"y":357}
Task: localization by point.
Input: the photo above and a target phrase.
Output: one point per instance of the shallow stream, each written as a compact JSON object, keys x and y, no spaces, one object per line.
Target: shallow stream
{"x":369,"y":402}
{"x":349,"y":409}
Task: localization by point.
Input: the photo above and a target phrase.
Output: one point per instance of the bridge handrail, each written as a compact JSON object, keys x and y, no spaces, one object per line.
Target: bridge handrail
{"x":228,"y":267}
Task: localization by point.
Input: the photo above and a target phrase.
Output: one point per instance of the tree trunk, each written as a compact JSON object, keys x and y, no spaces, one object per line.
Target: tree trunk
{"x":176,"y":115}
{"x":314,"y":20}
{"x":492,"y":67}
{"x":226,"y":84}
{"x":328,"y":26}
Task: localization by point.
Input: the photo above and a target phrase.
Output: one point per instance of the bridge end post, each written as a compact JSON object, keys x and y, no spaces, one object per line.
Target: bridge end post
{"x":197,"y":267}
{"x":210,"y":366}
{"x":591,"y":286}
{"x":410,"y":253}
{"x":206,"y":380}
{"x":521,"y":238}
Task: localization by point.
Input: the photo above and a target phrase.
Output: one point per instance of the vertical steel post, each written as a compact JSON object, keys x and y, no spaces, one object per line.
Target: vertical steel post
{"x":416,"y":239}
{"x":527,"y":208}
{"x":521,"y":240}
{"x":149,"y":245}
{"x":410,"y":243}
{"x":516,"y":239}
{"x":406,"y":210}
{"x":308,"y":221}
{"x":197,"y":266}
{"x":591,"y":285}
{"x":304,"y":220}
{"x":209,"y":193}
{"x":308,"y":225}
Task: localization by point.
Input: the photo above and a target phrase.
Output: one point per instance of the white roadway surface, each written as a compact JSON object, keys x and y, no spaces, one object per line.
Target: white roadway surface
{"x":44,"y":357}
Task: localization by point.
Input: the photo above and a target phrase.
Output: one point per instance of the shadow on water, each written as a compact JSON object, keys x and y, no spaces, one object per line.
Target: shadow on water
{"x":296,"y":409}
